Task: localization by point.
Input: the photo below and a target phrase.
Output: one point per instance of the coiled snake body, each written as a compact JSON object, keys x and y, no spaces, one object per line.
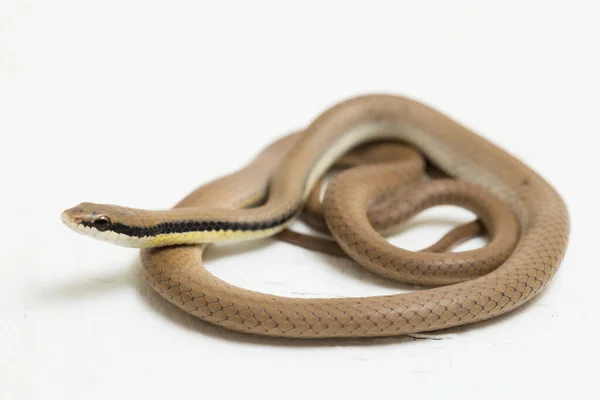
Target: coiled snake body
{"x":524,"y":216}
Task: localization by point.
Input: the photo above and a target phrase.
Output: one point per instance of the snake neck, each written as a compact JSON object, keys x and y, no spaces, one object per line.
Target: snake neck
{"x":195,"y":230}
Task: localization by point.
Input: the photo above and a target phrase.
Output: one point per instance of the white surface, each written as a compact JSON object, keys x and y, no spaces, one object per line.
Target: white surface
{"x":137,"y":102}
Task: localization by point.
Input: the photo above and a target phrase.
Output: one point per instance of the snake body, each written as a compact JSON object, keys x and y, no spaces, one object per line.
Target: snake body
{"x":507,"y":272}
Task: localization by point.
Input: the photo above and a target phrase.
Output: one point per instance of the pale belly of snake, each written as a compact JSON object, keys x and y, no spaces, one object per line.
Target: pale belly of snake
{"x":406,"y":158}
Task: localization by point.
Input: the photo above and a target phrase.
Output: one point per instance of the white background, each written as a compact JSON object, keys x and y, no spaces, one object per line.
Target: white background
{"x":137,"y":102}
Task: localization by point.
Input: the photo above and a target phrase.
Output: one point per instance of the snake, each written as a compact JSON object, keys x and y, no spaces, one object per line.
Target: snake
{"x":524,"y":216}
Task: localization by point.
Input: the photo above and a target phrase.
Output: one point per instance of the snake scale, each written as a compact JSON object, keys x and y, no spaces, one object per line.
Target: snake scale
{"x":526,"y":219}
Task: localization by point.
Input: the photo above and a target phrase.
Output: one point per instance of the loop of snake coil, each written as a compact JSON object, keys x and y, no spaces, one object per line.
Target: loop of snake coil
{"x":540,"y":217}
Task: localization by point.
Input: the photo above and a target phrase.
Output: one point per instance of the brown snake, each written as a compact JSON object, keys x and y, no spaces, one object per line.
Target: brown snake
{"x":525,"y":218}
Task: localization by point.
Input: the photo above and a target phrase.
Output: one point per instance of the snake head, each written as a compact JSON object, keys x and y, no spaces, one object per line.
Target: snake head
{"x":101,"y":221}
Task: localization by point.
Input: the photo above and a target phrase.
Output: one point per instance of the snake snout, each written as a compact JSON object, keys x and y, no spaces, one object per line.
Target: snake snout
{"x":77,"y":215}
{"x":70,"y":216}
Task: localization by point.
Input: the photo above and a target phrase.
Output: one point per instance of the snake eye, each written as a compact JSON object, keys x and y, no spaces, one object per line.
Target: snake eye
{"x":102,"y":223}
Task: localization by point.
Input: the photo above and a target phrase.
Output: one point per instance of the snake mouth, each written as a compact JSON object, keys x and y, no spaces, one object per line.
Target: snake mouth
{"x":78,"y":225}
{"x":71,"y":221}
{"x":68,"y":219}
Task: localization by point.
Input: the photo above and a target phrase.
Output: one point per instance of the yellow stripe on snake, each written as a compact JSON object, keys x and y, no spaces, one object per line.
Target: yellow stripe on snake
{"x":394,"y":140}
